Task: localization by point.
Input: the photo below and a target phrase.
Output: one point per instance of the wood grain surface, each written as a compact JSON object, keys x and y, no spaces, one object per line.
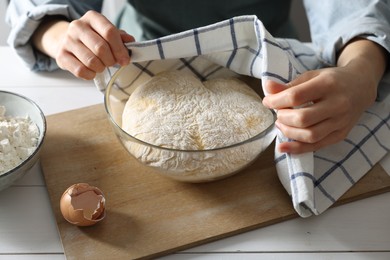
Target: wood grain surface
{"x":149,"y":215}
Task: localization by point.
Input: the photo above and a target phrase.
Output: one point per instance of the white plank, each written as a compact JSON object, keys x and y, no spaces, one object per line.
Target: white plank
{"x":358,"y":226}
{"x":33,"y":177}
{"x":247,"y":256}
{"x":33,"y":257}
{"x":27,"y":223}
{"x":59,"y":99}
{"x":4,"y":28}
{"x":283,"y":256}
{"x":14,"y":73}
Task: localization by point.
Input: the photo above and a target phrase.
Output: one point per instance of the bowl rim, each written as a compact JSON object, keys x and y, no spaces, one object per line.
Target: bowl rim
{"x":111,"y":85}
{"x":40,"y":141}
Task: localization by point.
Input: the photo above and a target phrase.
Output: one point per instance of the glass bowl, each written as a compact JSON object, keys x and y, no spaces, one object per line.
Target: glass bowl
{"x":182,"y":165}
{"x":19,"y":106}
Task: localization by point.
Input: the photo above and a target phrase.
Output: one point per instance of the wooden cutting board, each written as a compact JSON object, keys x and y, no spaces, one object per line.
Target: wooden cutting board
{"x":149,"y":215}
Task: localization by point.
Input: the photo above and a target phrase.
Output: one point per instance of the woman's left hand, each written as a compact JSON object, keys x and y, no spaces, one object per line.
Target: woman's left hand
{"x":331,"y":101}
{"x":320,"y":107}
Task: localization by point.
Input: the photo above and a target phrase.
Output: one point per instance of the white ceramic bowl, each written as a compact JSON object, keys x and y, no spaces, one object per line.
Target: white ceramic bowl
{"x":186,"y":165}
{"x":19,"y":106}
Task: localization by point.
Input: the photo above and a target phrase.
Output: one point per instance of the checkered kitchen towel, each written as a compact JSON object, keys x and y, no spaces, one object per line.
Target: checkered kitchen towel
{"x":242,"y":45}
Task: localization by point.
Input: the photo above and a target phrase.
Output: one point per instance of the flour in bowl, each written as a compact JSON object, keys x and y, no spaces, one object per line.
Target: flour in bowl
{"x":18,"y":140}
{"x":176,"y":110}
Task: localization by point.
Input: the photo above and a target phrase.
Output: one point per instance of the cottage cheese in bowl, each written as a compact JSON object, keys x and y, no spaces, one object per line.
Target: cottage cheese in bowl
{"x":18,"y":140}
{"x":22,"y":133}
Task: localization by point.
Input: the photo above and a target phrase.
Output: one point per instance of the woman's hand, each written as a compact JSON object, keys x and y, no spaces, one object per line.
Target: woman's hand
{"x":331,"y":100}
{"x":85,"y":46}
{"x":331,"y":105}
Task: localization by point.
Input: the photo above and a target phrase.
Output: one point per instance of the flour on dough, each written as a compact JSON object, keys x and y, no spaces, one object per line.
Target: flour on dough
{"x":176,"y":110}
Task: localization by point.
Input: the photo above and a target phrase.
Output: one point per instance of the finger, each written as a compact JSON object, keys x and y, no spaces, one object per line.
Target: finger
{"x":273,"y":87}
{"x":296,"y":95}
{"x":112,"y":36}
{"x":306,"y":76}
{"x":295,"y":147}
{"x":83,"y":33}
{"x":306,"y":116}
{"x":312,"y":134}
{"x":85,"y":56}
{"x":72,"y":64}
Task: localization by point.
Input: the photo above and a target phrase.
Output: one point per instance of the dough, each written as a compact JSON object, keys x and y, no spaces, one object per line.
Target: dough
{"x":176,"y":110}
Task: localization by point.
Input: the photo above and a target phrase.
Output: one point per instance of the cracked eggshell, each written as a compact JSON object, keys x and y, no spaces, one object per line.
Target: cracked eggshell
{"x":82,"y":204}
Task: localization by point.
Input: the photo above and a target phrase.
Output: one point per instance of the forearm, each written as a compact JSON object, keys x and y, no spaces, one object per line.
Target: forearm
{"x":367,"y":60}
{"x":48,"y":35}
{"x":368,"y":55}
{"x":25,"y":16}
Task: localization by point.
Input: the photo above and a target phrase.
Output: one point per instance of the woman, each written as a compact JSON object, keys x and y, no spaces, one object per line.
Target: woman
{"x":351,"y":36}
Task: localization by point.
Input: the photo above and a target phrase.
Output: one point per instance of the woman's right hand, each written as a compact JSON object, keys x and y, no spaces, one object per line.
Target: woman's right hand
{"x":85,"y":46}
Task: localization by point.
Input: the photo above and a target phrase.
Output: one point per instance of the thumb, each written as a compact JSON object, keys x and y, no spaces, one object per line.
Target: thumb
{"x":304,"y":77}
{"x":272,"y":87}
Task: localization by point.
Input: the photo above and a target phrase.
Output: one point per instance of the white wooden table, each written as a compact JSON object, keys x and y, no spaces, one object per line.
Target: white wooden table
{"x":358,"y":230}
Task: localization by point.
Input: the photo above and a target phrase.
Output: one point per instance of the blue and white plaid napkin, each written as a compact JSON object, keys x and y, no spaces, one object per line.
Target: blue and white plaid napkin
{"x":242,"y":45}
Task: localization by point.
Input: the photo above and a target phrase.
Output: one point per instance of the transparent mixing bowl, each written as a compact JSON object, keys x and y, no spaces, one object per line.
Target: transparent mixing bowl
{"x":182,"y":165}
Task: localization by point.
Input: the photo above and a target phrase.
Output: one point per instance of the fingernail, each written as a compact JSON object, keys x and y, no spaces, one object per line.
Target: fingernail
{"x":265,"y":102}
{"x":124,"y":61}
{"x":283,"y":149}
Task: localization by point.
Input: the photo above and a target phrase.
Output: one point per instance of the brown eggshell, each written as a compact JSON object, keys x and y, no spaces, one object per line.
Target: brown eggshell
{"x":82,"y":204}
